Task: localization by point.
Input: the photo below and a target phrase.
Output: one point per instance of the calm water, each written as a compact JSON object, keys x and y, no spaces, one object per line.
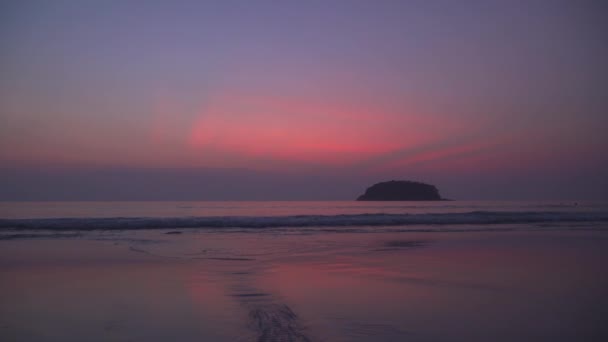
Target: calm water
{"x":279,"y":271}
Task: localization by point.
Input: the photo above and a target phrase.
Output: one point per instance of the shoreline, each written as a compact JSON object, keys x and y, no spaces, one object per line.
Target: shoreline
{"x":304,"y":287}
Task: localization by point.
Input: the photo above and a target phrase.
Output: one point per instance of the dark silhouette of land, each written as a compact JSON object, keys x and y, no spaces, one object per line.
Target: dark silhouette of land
{"x":401,"y":191}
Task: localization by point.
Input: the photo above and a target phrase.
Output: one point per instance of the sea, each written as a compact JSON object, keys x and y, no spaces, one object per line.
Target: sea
{"x":348,"y":216}
{"x":304,"y":271}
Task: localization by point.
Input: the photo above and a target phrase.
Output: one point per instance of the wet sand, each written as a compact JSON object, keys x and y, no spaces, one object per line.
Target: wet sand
{"x":278,"y":286}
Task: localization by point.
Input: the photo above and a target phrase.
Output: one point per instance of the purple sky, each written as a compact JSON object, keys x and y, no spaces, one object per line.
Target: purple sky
{"x":302,"y":99}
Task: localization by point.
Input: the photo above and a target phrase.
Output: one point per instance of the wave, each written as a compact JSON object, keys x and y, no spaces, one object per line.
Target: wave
{"x":475,"y":217}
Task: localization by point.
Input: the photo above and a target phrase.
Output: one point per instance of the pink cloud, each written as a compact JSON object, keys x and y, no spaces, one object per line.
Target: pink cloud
{"x":294,"y":129}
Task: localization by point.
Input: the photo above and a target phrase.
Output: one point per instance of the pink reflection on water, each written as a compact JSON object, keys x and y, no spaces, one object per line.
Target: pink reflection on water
{"x":340,"y":287}
{"x":472,"y":286}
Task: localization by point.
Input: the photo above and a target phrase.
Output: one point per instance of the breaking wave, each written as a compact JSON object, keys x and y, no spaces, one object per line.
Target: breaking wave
{"x":357,"y":220}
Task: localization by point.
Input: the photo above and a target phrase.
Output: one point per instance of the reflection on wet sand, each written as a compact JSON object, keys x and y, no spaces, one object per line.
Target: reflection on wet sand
{"x":152,"y":286}
{"x":268,"y":318}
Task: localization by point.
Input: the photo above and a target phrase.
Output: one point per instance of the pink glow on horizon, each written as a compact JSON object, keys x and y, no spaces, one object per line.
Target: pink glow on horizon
{"x":446,"y":157}
{"x":283,"y":133}
{"x":289,"y":129}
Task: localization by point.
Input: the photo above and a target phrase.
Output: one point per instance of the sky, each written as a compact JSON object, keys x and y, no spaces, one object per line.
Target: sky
{"x":289,"y":100}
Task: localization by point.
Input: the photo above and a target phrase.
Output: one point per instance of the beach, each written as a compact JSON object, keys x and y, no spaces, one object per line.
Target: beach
{"x":513,"y":282}
{"x":303,"y":171}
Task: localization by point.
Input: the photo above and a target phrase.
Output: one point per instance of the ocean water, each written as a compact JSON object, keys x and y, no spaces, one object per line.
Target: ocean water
{"x":348,"y":214}
{"x":303,"y":271}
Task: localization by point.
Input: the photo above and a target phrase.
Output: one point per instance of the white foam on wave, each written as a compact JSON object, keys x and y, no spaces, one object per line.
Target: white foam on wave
{"x":476,"y":217}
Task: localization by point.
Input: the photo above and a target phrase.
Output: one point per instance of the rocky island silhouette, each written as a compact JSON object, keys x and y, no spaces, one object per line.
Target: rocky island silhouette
{"x":401,"y":190}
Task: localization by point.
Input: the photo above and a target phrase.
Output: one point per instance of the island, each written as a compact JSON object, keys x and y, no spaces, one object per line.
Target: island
{"x":401,"y":191}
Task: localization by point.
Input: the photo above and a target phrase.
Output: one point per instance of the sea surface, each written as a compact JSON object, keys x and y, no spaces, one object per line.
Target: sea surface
{"x":260,"y":215}
{"x":304,"y":271}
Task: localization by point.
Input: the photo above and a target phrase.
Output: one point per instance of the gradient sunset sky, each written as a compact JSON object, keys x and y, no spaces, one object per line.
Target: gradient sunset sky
{"x":302,"y":99}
